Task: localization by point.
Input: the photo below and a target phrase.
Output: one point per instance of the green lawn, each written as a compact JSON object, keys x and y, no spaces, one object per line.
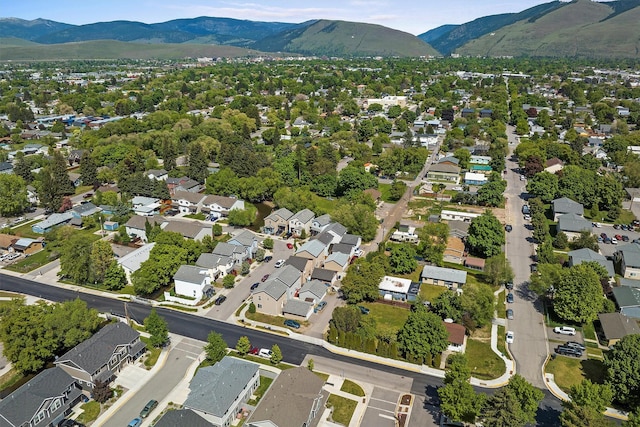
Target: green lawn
{"x":387,"y":317}
{"x":153,"y":355}
{"x":34,"y":261}
{"x":589,"y":331}
{"x":342,"y":409}
{"x":385,"y":189}
{"x":484,"y":363}
{"x":90,"y":412}
{"x":265,"y":382}
{"x":431,"y":292}
{"x":199,"y":216}
{"x":502,"y":346}
{"x":569,"y":371}
{"x":325,"y":205}
{"x":626,"y":217}
{"x":350,"y":387}
{"x":501,"y":306}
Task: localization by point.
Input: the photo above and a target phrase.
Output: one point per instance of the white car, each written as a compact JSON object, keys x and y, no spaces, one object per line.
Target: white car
{"x":279,"y":263}
{"x":265,"y":352}
{"x":509,"y":337}
{"x":358,"y":252}
{"x":564,"y":330}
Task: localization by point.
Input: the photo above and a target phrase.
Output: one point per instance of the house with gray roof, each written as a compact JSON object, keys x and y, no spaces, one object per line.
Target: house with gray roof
{"x":303,"y":265}
{"x":324,"y":275}
{"x":270,"y":297}
{"x":320,"y":223}
{"x":235,"y":252}
{"x":137,"y":225}
{"x":298,"y":308}
{"x":247,"y":240}
{"x":221,"y":205}
{"x":351,"y":239}
{"x":182,"y":417}
{"x":616,"y":326}
{"x":628,"y":257}
{"x":192,"y":282}
{"x":145,"y":206}
{"x":187,"y":201}
{"x":313,"y":291}
{"x":157,"y":174}
{"x":296,"y":398}
{"x":587,"y":255}
{"x":565,"y":205}
{"x":449,"y":277}
{"x":314,"y":250}
{"x":342,"y":248}
{"x":628,"y":300}
{"x":189,"y":229}
{"x":103,"y":355}
{"x":84,"y":210}
{"x":337,"y":262}
{"x":301,"y":221}
{"x":217,"y":265}
{"x":444,"y":172}
{"x":53,"y":221}
{"x":45,"y":400}
{"x":459,"y":229}
{"x":132,"y":261}
{"x":333,"y":233}
{"x":218,"y":393}
{"x":572,"y":225}
{"x":277,"y":222}
{"x":290,"y":277}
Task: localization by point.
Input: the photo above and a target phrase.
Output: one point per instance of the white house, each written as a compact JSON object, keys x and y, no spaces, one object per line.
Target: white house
{"x":192,"y":282}
{"x":398,"y":288}
{"x":458,"y":216}
{"x":186,"y":201}
{"x":301,"y":221}
{"x":221,"y":205}
{"x":131,"y":262}
{"x":145,"y":206}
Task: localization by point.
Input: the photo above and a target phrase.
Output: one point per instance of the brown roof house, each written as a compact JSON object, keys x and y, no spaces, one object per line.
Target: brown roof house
{"x":457,"y":336}
{"x":296,"y":398}
{"x":454,"y":251}
{"x":616,"y":326}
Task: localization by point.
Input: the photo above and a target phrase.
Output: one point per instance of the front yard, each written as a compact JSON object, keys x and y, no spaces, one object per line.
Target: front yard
{"x":569,"y":371}
{"x":389,"y":318}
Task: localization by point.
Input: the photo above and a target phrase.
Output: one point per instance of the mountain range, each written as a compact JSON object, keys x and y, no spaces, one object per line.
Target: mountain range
{"x":579,"y":28}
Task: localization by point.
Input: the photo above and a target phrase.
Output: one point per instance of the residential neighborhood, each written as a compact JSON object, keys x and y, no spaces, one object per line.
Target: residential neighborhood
{"x":264,"y":251}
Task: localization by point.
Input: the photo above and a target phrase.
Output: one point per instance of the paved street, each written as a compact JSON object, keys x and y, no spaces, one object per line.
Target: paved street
{"x":530,"y":345}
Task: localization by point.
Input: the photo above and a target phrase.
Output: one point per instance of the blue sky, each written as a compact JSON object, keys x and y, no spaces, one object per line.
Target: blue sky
{"x":412,"y":16}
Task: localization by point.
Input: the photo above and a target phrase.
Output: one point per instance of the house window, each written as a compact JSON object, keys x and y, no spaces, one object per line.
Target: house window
{"x":56,"y":404}
{"x":39,"y":417}
{"x":259,"y":305}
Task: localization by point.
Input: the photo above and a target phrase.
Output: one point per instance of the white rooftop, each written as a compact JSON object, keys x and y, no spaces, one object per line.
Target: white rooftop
{"x":394,"y":284}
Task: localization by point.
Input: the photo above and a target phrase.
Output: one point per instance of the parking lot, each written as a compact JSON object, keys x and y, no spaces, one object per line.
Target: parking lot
{"x":607,"y":249}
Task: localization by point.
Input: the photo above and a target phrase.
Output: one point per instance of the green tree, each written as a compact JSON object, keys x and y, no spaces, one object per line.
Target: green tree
{"x":197,"y":169}
{"x":75,"y":259}
{"x":115,"y":278}
{"x":358,"y":218}
{"x":216,"y":347}
{"x":477,"y":302}
{"x":543,"y":185}
{"x":361,"y":281}
{"x":463,"y":156}
{"x":561,"y":241}
{"x":486,"y":235}
{"x":260,"y":253}
{"x":497,"y":270}
{"x":492,"y":193}
{"x":575,"y":415}
{"x":13,"y":195}
{"x":267,"y":243}
{"x":593,"y":395}
{"x":244,"y":268}
{"x":276,"y":354}
{"x":243,"y":217}
{"x":578,"y":296}
{"x":447,"y":305}
{"x":88,"y":169}
{"x":397,"y":190}
{"x":423,"y":335}
{"x":229,"y":281}
{"x":623,"y":370}
{"x":585,"y":240}
{"x":101,"y":258}
{"x":243,"y":345}
{"x":157,"y":327}
{"x":402,"y":259}
{"x":346,"y":319}
{"x":355,"y":178}
{"x":216,"y":229}
{"x":459,"y":401}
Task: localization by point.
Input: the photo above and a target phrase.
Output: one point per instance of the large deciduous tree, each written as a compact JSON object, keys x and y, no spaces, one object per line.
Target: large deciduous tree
{"x":543,"y":185}
{"x":623,"y":370}
{"x":75,"y":259}
{"x":578,"y":295}
{"x":13,"y":195}
{"x":216,"y":347}
{"x":101,"y":258}
{"x":402,"y":259}
{"x":593,"y":395}
{"x":423,"y":335}
{"x":361,"y":281}
{"x":486,"y":235}
{"x":514,"y":405}
{"x":459,"y":401}
{"x":157,"y":328}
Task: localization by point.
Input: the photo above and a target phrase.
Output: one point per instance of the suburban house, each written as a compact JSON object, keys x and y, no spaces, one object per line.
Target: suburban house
{"x":554,"y":165}
{"x":157,"y":174}
{"x":479,"y":160}
{"x":319,"y":224}
{"x":220,"y":205}
{"x":186,"y":201}
{"x":84,"y":210}
{"x":189,"y":229}
{"x":313,"y":291}
{"x":343,"y":249}
{"x":247,"y":240}
{"x":192,"y":282}
{"x":216,"y":265}
{"x":277,"y":222}
{"x":616,"y":326}
{"x":182,"y":417}
{"x":6,"y":167}
{"x":290,"y":277}
{"x":270,"y":297}
{"x":314,"y":250}
{"x":397,"y":288}
{"x":474,"y":263}
{"x":303,"y":265}
{"x":449,"y":277}
{"x":7,"y":241}
{"x":45,"y":400}
{"x":587,"y":255}
{"x":565,"y":205}
{"x":136,"y":227}
{"x":458,"y":229}
{"x":457,"y":336}
{"x":298,"y":309}
{"x":132,"y":261}
{"x":50,"y":223}
{"x":628,"y":300}
{"x":301,"y":221}
{"x":218,"y":393}
{"x":236,"y":253}
{"x":404,"y":233}
{"x":332,"y":234}
{"x":326,"y":276}
{"x":474,"y":178}
{"x":448,"y":215}
{"x":454,"y":251}
{"x":183,"y":184}
{"x":296,"y":398}
{"x":449,"y":160}
{"x":337,"y":262}
{"x":28,"y":246}
{"x":103,"y":355}
{"x":573,"y":224}
{"x":145,"y":206}
{"x":629,"y":258}
{"x":444,"y":172}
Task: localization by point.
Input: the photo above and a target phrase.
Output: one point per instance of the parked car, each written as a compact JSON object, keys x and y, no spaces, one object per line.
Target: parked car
{"x":534,"y":268}
{"x":292,"y":324}
{"x":509,"y":285}
{"x":289,"y":245}
{"x":600,"y":239}
{"x":597,"y":224}
{"x":254,"y":350}
{"x":279,"y":263}
{"x":254,"y":286}
{"x":527,"y":217}
{"x":220,"y":300}
{"x":564,"y":330}
{"x":522,"y":178}
{"x":603,"y":235}
{"x":568,"y":351}
{"x":510,"y":298}
{"x":616,"y":226}
{"x":510,"y":337}
{"x":267,"y":258}
{"x":575,"y":344}
{"x":510,"y":314}
{"x":508,"y":228}
{"x":265,"y":352}
{"x":625,"y":238}
{"x":148,"y":408}
{"x":264,"y":278}
{"x":614,"y":241}
{"x":363,"y":309}
{"x":358,"y":252}
{"x":321,"y":305}
{"x":136,"y":422}
{"x":618,"y":236}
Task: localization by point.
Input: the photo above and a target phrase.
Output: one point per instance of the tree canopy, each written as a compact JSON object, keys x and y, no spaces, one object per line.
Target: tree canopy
{"x":486,"y":235}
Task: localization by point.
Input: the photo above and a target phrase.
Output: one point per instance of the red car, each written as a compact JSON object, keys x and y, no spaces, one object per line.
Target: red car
{"x":264,"y":278}
{"x":254,"y":350}
{"x":290,"y":245}
{"x":619,"y":237}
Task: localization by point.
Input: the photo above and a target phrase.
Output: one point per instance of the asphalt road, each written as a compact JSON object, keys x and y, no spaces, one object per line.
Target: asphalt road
{"x":188,"y":325}
{"x":530,"y":345}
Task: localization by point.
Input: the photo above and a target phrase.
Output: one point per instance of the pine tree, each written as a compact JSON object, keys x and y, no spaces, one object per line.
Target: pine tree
{"x":88,"y":170}
{"x":197,"y":169}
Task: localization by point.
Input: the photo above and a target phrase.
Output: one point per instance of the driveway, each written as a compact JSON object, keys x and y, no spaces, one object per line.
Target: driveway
{"x":530,"y":345}
{"x":320,"y":321}
{"x":381,"y":408}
